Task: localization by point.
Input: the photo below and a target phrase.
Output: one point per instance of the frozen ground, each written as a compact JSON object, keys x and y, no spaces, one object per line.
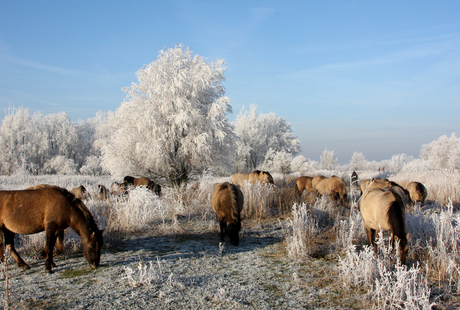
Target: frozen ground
{"x":183,"y":271}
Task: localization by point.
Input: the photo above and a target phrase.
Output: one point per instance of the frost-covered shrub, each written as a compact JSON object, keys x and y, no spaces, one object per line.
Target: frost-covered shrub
{"x":259,"y":200}
{"x":136,"y":211}
{"x":92,"y":166}
{"x":299,"y":229}
{"x":61,"y":165}
{"x":390,"y":285}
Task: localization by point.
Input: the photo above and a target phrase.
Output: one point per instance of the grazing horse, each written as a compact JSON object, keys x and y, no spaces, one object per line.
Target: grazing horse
{"x":143,"y":181}
{"x":102,"y":192}
{"x":303,"y":183}
{"x":227,"y":201}
{"x":314,"y":182}
{"x":254,"y":177}
{"x":80,"y":192}
{"x":332,"y":186}
{"x":417,"y":192}
{"x":384,"y":184}
{"x":50,"y":209}
{"x":385,"y":209}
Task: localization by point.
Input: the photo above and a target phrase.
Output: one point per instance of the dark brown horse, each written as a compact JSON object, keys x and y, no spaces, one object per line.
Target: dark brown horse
{"x":385,"y":209}
{"x":50,"y":209}
{"x":143,"y":181}
{"x":227,"y":200}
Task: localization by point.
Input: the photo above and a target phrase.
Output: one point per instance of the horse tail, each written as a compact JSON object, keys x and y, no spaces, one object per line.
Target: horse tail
{"x":397,"y":218}
{"x":235,"y":211}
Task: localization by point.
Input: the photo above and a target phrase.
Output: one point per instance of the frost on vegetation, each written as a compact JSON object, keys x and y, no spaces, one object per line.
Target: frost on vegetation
{"x":149,"y":274}
{"x":259,"y":199}
{"x":299,"y":229}
{"x":141,"y":208}
{"x":444,"y":256}
{"x":390,"y":285}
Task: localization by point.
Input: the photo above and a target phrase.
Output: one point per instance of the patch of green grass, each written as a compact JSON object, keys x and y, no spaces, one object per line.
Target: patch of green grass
{"x":74,"y":273}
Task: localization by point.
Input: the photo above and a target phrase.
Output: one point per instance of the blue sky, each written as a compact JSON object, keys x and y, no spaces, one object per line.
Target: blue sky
{"x":377,"y":77}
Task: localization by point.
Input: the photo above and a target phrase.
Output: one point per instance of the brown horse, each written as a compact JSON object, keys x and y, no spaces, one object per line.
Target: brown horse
{"x":102,"y":192}
{"x":384,"y":184}
{"x":227,"y":201}
{"x":332,"y":186}
{"x":143,"y":181}
{"x":417,"y":192}
{"x":303,"y":183}
{"x":80,"y":192}
{"x":50,"y":209}
{"x":315,"y":181}
{"x":254,"y":177}
{"x":60,"y":236}
{"x":385,"y":209}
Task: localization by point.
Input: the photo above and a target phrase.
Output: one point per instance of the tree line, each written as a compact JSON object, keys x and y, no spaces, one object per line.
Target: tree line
{"x":173,"y":124}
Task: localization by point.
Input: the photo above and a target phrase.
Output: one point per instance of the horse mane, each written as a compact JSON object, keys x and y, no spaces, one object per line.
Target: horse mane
{"x":81,"y":207}
{"x":396,"y":216}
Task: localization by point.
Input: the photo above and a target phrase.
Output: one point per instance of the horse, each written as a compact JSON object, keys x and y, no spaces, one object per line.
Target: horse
{"x":60,"y":235}
{"x":80,"y":192}
{"x":102,"y":192}
{"x":143,"y":181}
{"x":417,"y":192}
{"x":354,"y":178}
{"x":384,"y":209}
{"x":384,"y":184}
{"x":254,"y":177}
{"x":119,"y":188}
{"x":50,"y":209}
{"x":315,"y":181}
{"x":227,"y":201}
{"x":303,"y":183}
{"x":332,"y":186}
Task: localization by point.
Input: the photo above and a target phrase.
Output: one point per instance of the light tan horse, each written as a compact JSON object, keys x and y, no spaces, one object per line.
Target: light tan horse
{"x":332,"y":186}
{"x":49,"y":209}
{"x":227,"y":201}
{"x":303,"y":183}
{"x":385,"y":209}
{"x":384,"y":184}
{"x":254,"y":177}
{"x":314,"y":182}
{"x":417,"y":192}
{"x":80,"y":192}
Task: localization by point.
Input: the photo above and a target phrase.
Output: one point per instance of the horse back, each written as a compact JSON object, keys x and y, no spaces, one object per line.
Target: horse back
{"x":374,"y":206}
{"x":227,"y":201}
{"x":30,"y":211}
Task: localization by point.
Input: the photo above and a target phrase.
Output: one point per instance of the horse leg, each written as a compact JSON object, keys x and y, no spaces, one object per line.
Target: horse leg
{"x":9,"y":242}
{"x":223,"y":228}
{"x":59,"y":243}
{"x":371,"y":237}
{"x":49,"y":247}
{"x":2,"y":252}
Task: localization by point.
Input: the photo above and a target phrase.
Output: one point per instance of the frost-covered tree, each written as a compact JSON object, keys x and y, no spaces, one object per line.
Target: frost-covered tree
{"x":397,"y":162}
{"x":443,"y":153}
{"x":302,"y":164}
{"x":173,"y":122}
{"x":16,"y":139}
{"x":357,"y":162}
{"x":262,"y":135}
{"x":328,"y":160}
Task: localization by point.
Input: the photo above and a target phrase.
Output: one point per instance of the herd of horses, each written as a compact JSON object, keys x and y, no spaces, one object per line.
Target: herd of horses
{"x":382,"y":203}
{"x":52,"y":209}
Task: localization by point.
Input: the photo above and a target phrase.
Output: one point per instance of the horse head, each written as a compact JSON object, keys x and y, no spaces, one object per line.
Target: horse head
{"x":92,"y":247}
